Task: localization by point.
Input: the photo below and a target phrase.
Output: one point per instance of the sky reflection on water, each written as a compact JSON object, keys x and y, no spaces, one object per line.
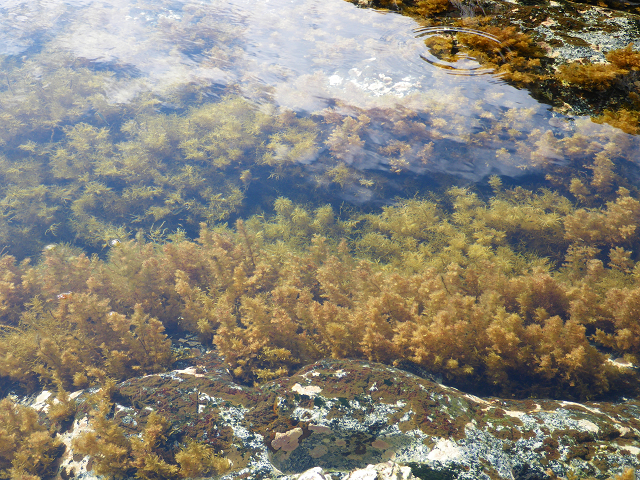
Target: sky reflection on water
{"x":308,"y":55}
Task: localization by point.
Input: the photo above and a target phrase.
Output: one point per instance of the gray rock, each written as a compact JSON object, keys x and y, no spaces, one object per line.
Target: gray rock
{"x":346,"y":419}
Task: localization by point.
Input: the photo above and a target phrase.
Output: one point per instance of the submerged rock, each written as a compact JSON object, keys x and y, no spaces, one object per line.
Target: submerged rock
{"x":340,"y":416}
{"x":382,"y":471}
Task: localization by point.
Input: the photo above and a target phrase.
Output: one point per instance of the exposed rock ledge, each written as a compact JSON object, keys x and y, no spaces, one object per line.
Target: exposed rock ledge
{"x":336,"y":417}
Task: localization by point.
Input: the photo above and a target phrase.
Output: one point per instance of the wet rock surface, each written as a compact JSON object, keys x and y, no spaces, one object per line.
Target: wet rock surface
{"x":340,"y":416}
{"x":570,"y":31}
{"x":574,"y":33}
{"x":556,"y":49}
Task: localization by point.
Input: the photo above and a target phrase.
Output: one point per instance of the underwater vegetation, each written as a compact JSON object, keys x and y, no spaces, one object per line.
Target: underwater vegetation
{"x":89,"y":172}
{"x":523,"y":294}
{"x":85,"y":170}
{"x":152,"y":456}
{"x":504,"y":291}
{"x":28,"y":450}
{"x":136,"y":179}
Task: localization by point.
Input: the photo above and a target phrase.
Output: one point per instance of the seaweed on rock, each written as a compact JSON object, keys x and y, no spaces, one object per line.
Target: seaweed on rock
{"x":28,"y":450}
{"x":153,"y":455}
{"x":518,"y":40}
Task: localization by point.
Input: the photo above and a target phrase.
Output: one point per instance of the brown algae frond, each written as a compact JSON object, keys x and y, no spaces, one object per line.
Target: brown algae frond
{"x":479,"y":292}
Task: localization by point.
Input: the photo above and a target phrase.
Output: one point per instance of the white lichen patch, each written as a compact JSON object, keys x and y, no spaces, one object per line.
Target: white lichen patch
{"x":623,"y":430}
{"x":514,"y":413}
{"x":76,"y":394}
{"x":588,"y":426}
{"x":407,"y":416}
{"x":189,"y":371}
{"x":234,"y":417}
{"x":41,"y":402}
{"x":580,"y":405}
{"x":72,"y":464}
{"x":475,"y":399}
{"x":633,"y":450}
{"x":309,"y":390}
{"x":445,"y":450}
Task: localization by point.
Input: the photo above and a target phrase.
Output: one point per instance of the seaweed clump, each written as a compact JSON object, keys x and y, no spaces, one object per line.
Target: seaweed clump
{"x":151,"y":456}
{"x":74,"y":339}
{"x":28,"y":450}
{"x":519,"y":295}
{"x":511,"y":54}
{"x":601,"y":76}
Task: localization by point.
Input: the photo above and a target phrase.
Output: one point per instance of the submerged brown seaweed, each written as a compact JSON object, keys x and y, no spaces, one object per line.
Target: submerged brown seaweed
{"x":470,"y":293}
{"x":94,"y":179}
{"x":510,"y":291}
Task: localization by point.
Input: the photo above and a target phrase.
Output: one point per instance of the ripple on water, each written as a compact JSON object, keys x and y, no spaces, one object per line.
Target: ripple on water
{"x":464,"y":65}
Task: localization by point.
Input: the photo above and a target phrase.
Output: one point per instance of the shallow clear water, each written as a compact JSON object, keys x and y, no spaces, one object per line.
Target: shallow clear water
{"x":123,"y":119}
{"x":420,"y":118}
{"x":310,"y":54}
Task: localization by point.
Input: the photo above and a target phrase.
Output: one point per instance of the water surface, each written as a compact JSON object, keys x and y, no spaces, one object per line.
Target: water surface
{"x":385,"y":111}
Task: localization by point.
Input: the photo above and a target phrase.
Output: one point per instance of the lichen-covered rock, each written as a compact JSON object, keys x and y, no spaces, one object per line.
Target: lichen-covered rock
{"x":581,"y":57}
{"x":339,"y":416}
{"x":381,"y":471}
{"x":367,"y":413}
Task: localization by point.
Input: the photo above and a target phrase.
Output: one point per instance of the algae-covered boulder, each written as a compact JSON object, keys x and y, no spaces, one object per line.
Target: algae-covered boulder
{"x":339,"y":416}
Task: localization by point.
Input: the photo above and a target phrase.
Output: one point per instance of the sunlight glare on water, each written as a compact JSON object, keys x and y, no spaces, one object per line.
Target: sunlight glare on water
{"x":310,"y":55}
